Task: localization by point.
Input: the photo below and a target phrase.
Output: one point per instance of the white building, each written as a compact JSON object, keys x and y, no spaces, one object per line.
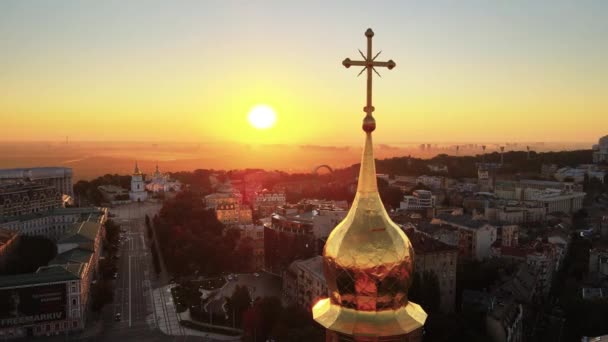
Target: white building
{"x":138,"y":189}
{"x":162,"y":182}
{"x":600,"y":154}
{"x":579,"y":173}
{"x":556,"y":200}
{"x":419,"y":199}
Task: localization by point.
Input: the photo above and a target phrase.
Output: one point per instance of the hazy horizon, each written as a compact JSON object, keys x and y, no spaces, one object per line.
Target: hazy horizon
{"x":190,"y":70}
{"x":93,"y":159}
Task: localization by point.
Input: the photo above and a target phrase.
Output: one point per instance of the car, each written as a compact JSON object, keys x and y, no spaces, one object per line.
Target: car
{"x":256,"y":274}
{"x":115,"y":275}
{"x":117,"y":317}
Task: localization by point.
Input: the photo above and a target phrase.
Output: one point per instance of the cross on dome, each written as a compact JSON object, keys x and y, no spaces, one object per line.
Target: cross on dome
{"x":369,"y":63}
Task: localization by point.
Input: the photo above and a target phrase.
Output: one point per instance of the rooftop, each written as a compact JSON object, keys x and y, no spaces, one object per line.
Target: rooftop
{"x":47,"y":274}
{"x":86,"y":214}
{"x":313,"y":265}
{"x":424,"y":243}
{"x":35,"y":172}
{"x":82,"y":232}
{"x":76,"y":255}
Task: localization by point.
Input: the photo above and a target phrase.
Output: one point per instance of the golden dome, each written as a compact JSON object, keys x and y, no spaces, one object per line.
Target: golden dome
{"x":368,"y":261}
{"x":368,"y":265}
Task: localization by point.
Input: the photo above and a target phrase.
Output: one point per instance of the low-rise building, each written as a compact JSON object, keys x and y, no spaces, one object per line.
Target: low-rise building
{"x":504,"y":323}
{"x":114,"y":194}
{"x":233,"y":214}
{"x":515,"y":212}
{"x":475,"y":237}
{"x":304,"y":282}
{"x":265,"y":202}
{"x":598,"y":260}
{"x":254,"y":235}
{"x":439,"y":258}
{"x":418,"y":200}
{"x":433,"y":182}
{"x":325,"y":220}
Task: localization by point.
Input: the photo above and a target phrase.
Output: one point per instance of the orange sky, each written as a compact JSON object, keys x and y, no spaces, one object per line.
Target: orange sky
{"x":191,"y":71}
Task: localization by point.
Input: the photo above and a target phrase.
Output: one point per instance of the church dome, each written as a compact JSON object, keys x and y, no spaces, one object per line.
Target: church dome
{"x":368,"y":261}
{"x":368,"y":265}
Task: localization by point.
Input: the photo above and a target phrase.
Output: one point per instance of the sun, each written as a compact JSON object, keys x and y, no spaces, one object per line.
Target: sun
{"x":262,"y":117}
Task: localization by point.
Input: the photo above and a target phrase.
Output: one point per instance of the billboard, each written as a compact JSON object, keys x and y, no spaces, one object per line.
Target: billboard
{"x":30,"y":305}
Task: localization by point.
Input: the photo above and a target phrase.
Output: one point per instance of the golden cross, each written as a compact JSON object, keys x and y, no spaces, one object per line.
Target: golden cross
{"x":369,"y":63}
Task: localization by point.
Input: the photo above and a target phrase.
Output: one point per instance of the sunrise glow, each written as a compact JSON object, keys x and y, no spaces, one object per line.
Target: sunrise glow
{"x":262,"y":117}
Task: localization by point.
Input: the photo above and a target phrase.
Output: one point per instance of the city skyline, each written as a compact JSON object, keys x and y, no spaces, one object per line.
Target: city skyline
{"x":147,"y":71}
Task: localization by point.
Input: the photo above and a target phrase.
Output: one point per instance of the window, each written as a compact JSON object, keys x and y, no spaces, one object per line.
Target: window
{"x":73,"y":301}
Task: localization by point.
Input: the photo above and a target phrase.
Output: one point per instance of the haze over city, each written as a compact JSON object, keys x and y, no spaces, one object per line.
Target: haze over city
{"x":311,"y":171}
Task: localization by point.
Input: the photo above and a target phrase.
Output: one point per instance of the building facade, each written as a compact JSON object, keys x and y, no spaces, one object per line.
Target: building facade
{"x":265,"y":202}
{"x":418,"y":200}
{"x":439,"y":258}
{"x":475,"y":237}
{"x":26,"y":198}
{"x":304,"y":283}
{"x":504,"y":322}
{"x":58,"y":177}
{"x":600,"y":153}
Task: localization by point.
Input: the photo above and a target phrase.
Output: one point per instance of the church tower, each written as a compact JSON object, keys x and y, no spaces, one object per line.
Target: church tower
{"x":138,"y":189}
{"x":368,"y":261}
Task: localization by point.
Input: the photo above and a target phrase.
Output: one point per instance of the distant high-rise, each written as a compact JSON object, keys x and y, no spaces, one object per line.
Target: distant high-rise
{"x":600,"y":153}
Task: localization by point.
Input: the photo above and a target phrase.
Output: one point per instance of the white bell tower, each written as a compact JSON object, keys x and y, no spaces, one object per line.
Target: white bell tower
{"x":138,"y":189}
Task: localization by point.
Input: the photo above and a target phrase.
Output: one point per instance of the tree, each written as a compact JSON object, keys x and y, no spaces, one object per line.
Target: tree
{"x":425,"y":291}
{"x":101,"y":294}
{"x":29,"y":253}
{"x":238,"y":304}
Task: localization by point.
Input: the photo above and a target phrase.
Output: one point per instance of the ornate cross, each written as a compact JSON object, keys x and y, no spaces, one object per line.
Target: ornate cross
{"x":369,"y":63}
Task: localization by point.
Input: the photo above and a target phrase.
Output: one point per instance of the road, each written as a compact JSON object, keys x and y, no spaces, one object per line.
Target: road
{"x":145,"y":304}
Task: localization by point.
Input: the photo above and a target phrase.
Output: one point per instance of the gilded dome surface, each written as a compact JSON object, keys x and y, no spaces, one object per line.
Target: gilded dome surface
{"x":368,"y":264}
